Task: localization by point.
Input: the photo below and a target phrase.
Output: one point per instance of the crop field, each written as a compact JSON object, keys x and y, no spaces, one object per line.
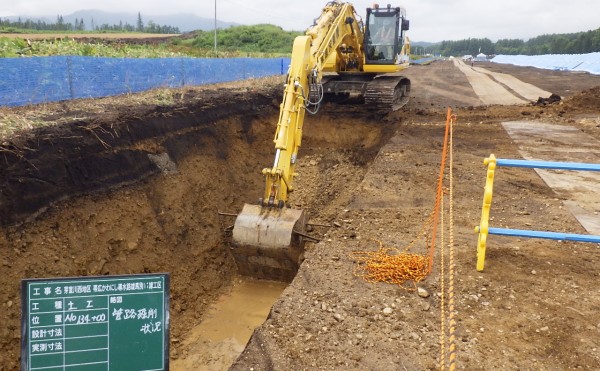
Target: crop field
{"x":111,"y":45}
{"x":21,"y":47}
{"x":86,"y":35}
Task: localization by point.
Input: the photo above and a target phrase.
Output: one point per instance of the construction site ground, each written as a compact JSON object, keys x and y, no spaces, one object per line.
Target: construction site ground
{"x":127,"y":189}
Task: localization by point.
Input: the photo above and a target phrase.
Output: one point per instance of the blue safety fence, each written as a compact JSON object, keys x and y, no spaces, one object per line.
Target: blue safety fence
{"x":423,"y":61}
{"x":484,"y":228}
{"x":48,"y":79}
{"x":589,"y":62}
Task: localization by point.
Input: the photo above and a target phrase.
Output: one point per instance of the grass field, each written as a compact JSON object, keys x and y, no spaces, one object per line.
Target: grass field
{"x":84,"y":35}
{"x":91,"y":47}
{"x":121,"y":45}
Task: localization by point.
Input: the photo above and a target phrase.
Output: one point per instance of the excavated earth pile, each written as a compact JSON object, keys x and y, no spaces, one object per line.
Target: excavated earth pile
{"x":138,"y":190}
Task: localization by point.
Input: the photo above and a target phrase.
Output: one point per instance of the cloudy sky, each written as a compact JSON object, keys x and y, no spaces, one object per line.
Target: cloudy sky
{"x":431,"y":20}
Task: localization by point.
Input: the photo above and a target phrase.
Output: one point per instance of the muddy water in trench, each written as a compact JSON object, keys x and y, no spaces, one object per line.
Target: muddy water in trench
{"x":228,"y":325}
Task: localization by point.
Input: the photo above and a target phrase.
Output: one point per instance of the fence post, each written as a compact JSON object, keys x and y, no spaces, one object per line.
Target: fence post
{"x":182,"y":72}
{"x":70,"y":77}
{"x":484,"y":229}
{"x":484,"y":224}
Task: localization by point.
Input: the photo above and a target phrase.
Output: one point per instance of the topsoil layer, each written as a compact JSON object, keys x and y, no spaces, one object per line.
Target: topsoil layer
{"x":138,"y":191}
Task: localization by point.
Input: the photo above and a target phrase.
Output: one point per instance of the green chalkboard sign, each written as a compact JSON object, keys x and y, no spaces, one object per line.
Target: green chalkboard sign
{"x":95,"y":323}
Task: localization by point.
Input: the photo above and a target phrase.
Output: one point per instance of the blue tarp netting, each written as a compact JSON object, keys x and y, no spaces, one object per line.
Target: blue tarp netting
{"x":422,"y":60}
{"x":48,"y":79}
{"x":565,"y":62}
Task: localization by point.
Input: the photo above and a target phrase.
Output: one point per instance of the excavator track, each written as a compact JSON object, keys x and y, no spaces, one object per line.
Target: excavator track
{"x":387,"y":93}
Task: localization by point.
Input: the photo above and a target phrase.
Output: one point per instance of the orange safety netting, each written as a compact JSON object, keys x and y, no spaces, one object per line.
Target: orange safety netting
{"x":389,"y":264}
{"x":392,"y":265}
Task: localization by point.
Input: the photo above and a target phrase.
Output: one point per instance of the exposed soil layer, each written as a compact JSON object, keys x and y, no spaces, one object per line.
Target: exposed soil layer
{"x":110,"y":208}
{"x":161,"y":222}
{"x":54,"y":162}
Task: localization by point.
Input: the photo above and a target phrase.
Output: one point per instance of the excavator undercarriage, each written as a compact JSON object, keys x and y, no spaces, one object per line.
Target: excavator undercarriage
{"x":384,"y":93}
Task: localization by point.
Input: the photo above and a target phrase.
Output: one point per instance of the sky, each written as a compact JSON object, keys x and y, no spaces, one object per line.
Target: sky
{"x":430,"y":20}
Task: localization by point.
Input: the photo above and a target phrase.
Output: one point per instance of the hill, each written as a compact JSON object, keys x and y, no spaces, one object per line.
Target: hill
{"x":264,"y":38}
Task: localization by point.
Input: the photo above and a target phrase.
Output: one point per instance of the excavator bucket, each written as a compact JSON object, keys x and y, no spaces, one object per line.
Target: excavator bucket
{"x":266,"y":243}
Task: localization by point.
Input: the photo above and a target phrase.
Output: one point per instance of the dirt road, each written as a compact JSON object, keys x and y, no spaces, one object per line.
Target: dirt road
{"x":577,"y":189}
{"x":372,"y":176}
{"x":499,"y":88}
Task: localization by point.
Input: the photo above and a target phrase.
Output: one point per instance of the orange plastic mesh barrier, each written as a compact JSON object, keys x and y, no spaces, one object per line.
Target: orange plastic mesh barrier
{"x":392,"y":265}
{"x":388,"y":264}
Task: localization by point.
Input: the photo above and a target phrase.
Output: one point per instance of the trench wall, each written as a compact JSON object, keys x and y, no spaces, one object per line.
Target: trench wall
{"x":57,"y":162}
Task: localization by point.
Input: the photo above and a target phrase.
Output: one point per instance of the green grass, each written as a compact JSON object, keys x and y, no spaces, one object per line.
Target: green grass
{"x":258,"y":41}
{"x":262,"y":38}
{"x":10,"y":48}
{"x":62,"y":32}
{"x":16,"y":47}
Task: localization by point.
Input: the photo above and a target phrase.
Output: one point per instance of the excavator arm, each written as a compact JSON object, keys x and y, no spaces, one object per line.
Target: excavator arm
{"x":337,"y":32}
{"x":288,"y":136}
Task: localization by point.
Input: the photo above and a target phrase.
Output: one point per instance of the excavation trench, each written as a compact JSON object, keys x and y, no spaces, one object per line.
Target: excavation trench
{"x":142,"y":194}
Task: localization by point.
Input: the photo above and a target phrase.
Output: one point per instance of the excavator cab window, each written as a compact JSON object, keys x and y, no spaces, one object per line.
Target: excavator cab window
{"x":382,"y":35}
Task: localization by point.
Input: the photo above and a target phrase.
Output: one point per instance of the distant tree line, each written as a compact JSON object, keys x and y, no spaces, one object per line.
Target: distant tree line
{"x":79,"y":25}
{"x":264,"y":38}
{"x":571,"y":43}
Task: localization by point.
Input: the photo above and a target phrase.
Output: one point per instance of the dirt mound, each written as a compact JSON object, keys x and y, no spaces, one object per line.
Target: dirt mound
{"x":583,"y":100}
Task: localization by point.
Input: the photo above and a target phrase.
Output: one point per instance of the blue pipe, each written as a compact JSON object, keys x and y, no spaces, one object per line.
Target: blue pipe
{"x":548,"y":165}
{"x":546,"y":235}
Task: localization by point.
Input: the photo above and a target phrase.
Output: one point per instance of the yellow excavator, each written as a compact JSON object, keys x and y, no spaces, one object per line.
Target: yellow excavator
{"x":338,"y":56}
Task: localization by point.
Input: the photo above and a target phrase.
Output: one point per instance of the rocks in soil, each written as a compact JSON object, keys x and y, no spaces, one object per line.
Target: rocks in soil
{"x":163,"y":162}
{"x":422,"y":292}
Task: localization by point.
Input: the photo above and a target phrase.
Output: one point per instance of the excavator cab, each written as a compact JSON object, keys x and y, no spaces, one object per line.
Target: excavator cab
{"x":384,"y":34}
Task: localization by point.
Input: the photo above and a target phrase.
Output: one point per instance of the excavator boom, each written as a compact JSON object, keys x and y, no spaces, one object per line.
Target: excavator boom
{"x":265,"y":236}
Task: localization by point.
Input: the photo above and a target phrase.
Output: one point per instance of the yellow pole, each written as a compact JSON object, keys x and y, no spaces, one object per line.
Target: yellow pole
{"x":483,"y":227}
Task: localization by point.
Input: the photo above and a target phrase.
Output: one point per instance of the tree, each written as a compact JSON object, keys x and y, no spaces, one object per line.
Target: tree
{"x":140,"y":23}
{"x":60,"y":23}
